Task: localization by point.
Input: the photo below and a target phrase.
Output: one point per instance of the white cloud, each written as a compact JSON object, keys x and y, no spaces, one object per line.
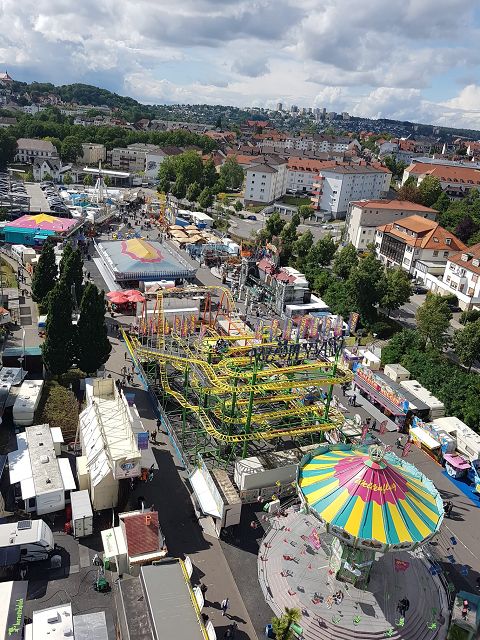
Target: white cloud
{"x":371,"y":57}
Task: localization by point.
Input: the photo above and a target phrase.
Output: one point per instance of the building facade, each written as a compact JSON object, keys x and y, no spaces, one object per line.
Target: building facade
{"x":417,"y":245}
{"x":336,"y":186}
{"x":93,"y":153}
{"x":266,"y":181}
{"x":461,"y":278}
{"x":456,"y":179}
{"x":30,"y":148}
{"x":364,"y":216}
{"x":134,"y":158}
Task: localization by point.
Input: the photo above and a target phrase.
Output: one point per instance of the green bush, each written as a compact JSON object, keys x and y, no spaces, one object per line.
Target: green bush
{"x":383,"y":330}
{"x":59,"y":408}
{"x":470,"y":316}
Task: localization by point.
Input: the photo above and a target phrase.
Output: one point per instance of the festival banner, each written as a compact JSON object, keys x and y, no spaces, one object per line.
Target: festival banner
{"x":287,"y":329}
{"x":338,"y":327}
{"x":314,"y":328}
{"x":364,"y":432}
{"x":353,"y":322}
{"x":274,"y":329}
{"x":193,"y":323}
{"x":406,"y":449}
{"x":383,"y":427}
{"x":177,"y":325}
{"x":259,"y":330}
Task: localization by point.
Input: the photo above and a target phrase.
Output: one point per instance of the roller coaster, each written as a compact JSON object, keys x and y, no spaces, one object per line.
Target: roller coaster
{"x":226,"y":391}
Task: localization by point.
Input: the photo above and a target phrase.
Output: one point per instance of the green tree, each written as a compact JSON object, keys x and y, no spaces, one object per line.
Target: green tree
{"x":367,"y":286}
{"x":401,"y":344}
{"x":398,"y":290}
{"x":430,"y":190}
{"x":238,"y":206}
{"x":93,"y":344}
{"x":442,"y":202}
{"x":179,"y":189}
{"x":28,"y":177}
{"x":206,"y":198}
{"x":66,"y":253}
{"x":8,"y":148}
{"x":193,"y":191}
{"x":72,"y":274}
{"x":467,"y":344}
{"x":232,"y":173}
{"x":57,"y":143}
{"x":274,"y":225}
{"x":71,"y":149}
{"x":164,"y":185}
{"x":409,"y":191}
{"x":58,"y":349}
{"x":288,"y":236}
{"x":282,"y":626}
{"x":107,"y":181}
{"x":88,"y":180}
{"x":47,"y":177}
{"x":433,"y":320}
{"x":302,"y":246}
{"x":45,"y":273}
{"x":305,"y":211}
{"x":339,"y":297}
{"x":210,"y":175}
{"x":319,"y":255}
{"x":67,"y":178}
{"x":189,"y":165}
{"x":344,"y":261}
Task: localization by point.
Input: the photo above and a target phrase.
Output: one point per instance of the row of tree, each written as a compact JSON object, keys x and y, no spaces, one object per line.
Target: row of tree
{"x":59,"y":292}
{"x":187,"y":176}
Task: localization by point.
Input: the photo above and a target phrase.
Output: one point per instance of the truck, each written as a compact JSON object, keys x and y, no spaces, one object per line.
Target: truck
{"x":82,"y":515}
{"x":25,"y":541}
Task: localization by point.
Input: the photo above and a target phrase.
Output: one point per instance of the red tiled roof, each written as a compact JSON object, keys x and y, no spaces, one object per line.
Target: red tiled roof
{"x":474,"y":252}
{"x":446,"y":173}
{"x":406,"y":205}
{"x":142,"y":533}
{"x":429,"y":234}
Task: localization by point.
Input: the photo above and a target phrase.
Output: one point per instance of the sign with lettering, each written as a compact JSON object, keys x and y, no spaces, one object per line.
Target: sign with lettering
{"x":14,"y":626}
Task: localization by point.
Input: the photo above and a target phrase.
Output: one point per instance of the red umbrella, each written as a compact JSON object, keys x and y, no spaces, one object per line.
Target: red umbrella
{"x":136,"y":297}
{"x":118,"y":297}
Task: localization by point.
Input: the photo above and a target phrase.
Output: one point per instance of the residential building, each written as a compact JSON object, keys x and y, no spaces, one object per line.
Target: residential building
{"x":6,"y":122}
{"x":138,"y":158}
{"x":339,"y":184}
{"x":418,"y":245}
{"x":461,"y":278}
{"x":266,"y":181}
{"x":93,"y":153}
{"x":45,"y":167}
{"x":30,"y":148}
{"x":364,"y":216}
{"x":456,"y":179}
{"x":279,"y":106}
{"x":286,"y":285}
{"x":318,"y":143}
{"x":302,"y":173}
{"x":32,"y":109}
{"x":5,"y":79}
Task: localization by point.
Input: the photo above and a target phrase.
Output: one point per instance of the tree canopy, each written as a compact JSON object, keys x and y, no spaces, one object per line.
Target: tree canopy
{"x":93,"y":344}
{"x":467,"y":344}
{"x":232,"y":173}
{"x":433,"y":320}
{"x":45,"y":274}
{"x":58,"y":347}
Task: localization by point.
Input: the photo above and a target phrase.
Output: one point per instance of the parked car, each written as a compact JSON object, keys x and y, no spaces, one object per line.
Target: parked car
{"x":251,"y":217}
{"x":419,"y":289}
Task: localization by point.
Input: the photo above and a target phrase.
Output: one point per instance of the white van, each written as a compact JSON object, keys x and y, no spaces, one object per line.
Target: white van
{"x":32,"y":539}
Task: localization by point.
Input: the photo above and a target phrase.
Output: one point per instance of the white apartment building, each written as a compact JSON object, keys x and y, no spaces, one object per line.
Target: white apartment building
{"x":339,"y":184}
{"x":417,"y":245}
{"x":266,"y":181}
{"x":318,"y":143}
{"x":302,"y":173}
{"x":461,"y":278}
{"x":134,"y":157}
{"x":30,"y":148}
{"x":364,"y":216}
{"x":93,"y":153}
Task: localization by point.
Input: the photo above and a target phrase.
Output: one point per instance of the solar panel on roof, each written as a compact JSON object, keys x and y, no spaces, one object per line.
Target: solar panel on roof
{"x":24,"y":524}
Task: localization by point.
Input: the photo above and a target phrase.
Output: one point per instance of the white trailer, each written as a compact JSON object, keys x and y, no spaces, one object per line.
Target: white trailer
{"x":27,"y":402}
{"x":82,"y":514}
{"x":32,"y":539}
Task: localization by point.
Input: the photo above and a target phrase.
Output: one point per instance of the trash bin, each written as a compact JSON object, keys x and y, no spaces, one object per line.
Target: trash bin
{"x":106,"y":563}
{"x":297,"y":629}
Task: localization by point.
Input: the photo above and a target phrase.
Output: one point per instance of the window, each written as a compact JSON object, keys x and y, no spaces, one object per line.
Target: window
{"x":264,"y":176}
{"x":262,"y":190}
{"x":445,"y":254}
{"x":435,"y":253}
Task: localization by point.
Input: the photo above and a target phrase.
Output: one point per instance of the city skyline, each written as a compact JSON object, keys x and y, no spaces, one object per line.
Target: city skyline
{"x":408,"y":61}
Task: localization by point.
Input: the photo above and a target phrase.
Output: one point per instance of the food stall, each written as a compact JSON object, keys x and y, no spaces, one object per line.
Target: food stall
{"x":426,"y":442}
{"x":455,"y":465}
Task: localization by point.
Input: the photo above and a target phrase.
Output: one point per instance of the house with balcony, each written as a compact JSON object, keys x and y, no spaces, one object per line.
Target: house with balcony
{"x":461,"y":277}
{"x":419,"y":246}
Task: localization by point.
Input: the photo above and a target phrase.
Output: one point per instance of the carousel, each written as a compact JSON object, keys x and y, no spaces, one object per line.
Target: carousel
{"x":371,"y":501}
{"x":357,"y":547}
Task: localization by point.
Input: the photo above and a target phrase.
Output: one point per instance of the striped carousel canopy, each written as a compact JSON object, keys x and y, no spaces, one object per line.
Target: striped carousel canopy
{"x":370,"y":495}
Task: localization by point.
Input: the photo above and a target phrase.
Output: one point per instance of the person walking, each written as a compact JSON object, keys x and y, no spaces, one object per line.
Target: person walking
{"x":224,"y":606}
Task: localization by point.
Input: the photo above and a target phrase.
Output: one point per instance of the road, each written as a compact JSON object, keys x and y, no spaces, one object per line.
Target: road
{"x":247,"y":229}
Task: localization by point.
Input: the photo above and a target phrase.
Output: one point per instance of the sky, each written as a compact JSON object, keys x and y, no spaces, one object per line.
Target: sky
{"x":405,"y":59}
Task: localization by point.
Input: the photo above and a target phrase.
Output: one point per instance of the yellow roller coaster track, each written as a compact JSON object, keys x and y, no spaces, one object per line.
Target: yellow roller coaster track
{"x":220,"y":386}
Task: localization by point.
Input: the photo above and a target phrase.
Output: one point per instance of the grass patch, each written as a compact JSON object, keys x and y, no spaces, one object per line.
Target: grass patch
{"x":256,"y":209}
{"x":59,"y":408}
{"x":8,"y":275}
{"x":296,"y":201}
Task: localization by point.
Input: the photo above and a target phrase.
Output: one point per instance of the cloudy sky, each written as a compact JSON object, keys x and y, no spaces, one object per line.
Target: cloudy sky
{"x":407,"y":59}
